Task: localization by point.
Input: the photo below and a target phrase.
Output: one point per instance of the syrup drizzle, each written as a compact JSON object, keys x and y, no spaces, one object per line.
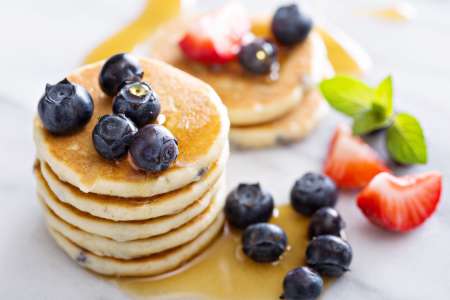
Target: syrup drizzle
{"x":153,"y":14}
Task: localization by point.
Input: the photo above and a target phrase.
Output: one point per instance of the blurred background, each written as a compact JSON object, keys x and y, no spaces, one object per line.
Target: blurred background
{"x":41,"y":41}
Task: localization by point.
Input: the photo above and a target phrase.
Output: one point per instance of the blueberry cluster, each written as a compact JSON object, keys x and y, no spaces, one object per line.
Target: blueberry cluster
{"x":248,"y":207}
{"x":66,"y":107}
{"x":152,"y":147}
{"x":289,"y":27}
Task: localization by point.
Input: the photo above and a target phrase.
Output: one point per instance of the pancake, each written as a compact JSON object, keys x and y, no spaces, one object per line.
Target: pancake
{"x":288,"y":129}
{"x":146,"y":266}
{"x":129,"y":209}
{"x":250,"y":99}
{"x":132,"y":249}
{"x":123,"y":231}
{"x":193,"y":113}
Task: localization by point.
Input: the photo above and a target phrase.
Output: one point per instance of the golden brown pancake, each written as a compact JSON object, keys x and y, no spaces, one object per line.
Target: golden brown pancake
{"x":250,"y":99}
{"x":193,"y":113}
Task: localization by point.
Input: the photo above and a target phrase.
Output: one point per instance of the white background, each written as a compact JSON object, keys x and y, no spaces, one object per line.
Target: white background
{"x":41,"y":41}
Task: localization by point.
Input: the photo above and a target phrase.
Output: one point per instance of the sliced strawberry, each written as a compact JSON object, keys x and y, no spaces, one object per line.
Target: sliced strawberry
{"x":351,"y":163}
{"x":217,"y":37}
{"x":401,"y":203}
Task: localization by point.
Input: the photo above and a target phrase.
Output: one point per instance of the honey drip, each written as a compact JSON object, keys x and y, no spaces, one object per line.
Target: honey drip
{"x":154,"y":13}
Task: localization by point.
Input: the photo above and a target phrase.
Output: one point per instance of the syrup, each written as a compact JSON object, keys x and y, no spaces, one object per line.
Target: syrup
{"x":397,"y":13}
{"x":154,"y":13}
{"x":345,"y":55}
{"x":224,"y":272}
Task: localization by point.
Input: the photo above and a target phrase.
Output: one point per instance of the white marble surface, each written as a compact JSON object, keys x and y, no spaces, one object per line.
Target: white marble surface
{"x":43,"y":40}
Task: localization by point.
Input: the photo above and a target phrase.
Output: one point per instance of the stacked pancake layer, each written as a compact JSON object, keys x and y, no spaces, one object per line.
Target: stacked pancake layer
{"x":117,"y":221}
{"x":264,"y":111}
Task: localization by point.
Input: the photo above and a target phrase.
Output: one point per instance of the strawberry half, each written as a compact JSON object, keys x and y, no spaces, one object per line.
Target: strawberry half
{"x":216,"y":38}
{"x":401,"y":203}
{"x":351,"y":163}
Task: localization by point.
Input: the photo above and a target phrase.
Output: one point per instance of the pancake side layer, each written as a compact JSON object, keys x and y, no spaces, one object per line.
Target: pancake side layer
{"x":145,"y":266}
{"x":131,"y":209}
{"x":123,"y":231}
{"x":288,"y":129}
{"x":102,"y":246}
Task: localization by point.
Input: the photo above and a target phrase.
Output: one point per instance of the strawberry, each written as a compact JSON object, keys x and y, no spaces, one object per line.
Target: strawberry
{"x":351,"y":163}
{"x":216,"y":38}
{"x":400,"y":203}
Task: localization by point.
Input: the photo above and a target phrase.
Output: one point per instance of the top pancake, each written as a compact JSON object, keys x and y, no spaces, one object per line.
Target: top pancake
{"x":250,"y":99}
{"x":193,"y":113}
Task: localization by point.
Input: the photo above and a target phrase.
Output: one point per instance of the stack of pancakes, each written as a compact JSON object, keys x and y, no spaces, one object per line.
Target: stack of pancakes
{"x":115,"y":220}
{"x":264,"y":110}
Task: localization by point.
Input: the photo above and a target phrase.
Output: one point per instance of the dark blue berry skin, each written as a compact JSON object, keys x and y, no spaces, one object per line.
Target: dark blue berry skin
{"x":153,"y":149}
{"x":302,"y":284}
{"x":329,"y":255}
{"x":113,"y":135}
{"x":248,"y":204}
{"x":290,"y":26}
{"x":118,"y":69}
{"x":264,"y":242}
{"x":65,"y":107}
{"x":258,"y":56}
{"x":313,"y":191}
{"x":138,"y":102}
{"x":325,"y":221}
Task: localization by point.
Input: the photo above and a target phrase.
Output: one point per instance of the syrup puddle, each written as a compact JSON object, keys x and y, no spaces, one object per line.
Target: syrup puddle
{"x":224,"y":272}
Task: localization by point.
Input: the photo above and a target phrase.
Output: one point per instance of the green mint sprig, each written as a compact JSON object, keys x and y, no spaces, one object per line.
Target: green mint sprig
{"x":372,"y":109}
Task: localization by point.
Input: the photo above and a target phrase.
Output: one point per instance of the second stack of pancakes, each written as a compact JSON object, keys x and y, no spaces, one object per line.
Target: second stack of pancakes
{"x":117,"y":221}
{"x":264,"y":110}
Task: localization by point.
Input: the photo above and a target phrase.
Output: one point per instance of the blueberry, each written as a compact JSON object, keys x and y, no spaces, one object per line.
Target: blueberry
{"x":248,"y":204}
{"x":326,"y":221}
{"x":311,"y":192}
{"x":154,"y":149}
{"x":137,"y":101}
{"x":258,"y":56}
{"x":118,"y":69}
{"x":329,"y":255}
{"x":65,"y":107}
{"x":113,"y":135}
{"x":302,"y":284}
{"x":290,"y":26}
{"x":264,"y":242}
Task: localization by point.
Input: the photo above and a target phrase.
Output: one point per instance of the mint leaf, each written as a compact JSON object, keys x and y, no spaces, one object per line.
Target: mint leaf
{"x":347,"y":95}
{"x":405,"y":140}
{"x":369,"y":121}
{"x":383,"y":96}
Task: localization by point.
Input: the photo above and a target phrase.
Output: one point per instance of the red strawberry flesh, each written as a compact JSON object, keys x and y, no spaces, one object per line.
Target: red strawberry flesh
{"x":351,"y":163}
{"x":216,"y":38}
{"x":401,"y":203}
